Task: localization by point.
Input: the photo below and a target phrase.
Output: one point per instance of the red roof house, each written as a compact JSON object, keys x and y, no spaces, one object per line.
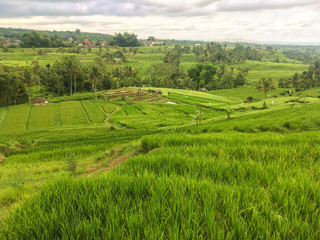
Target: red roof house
{"x":39,"y":101}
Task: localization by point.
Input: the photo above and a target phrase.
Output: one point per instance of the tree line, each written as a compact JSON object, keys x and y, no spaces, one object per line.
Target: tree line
{"x":69,"y":75}
{"x":77,"y":35}
{"x":35,"y":39}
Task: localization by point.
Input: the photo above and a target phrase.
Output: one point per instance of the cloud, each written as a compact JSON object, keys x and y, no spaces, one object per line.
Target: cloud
{"x":24,"y":8}
{"x":251,"y":5}
{"x":257,"y":20}
{"x":170,"y":8}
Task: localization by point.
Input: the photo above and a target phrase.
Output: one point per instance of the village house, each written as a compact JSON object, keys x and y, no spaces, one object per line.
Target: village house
{"x":39,"y":101}
{"x":86,"y":41}
{"x":11,"y":43}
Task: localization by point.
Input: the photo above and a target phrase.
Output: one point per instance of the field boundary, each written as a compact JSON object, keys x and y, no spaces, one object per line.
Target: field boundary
{"x":5,"y":117}
{"x":85,"y":112}
{"x":58,"y":120}
{"x":140,"y":111}
{"x":28,"y":115}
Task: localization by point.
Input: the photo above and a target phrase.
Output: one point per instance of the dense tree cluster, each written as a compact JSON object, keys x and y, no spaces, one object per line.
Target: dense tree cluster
{"x":125,"y":40}
{"x":216,"y":53}
{"x":166,"y":75}
{"x":12,"y":88}
{"x":306,"y":56}
{"x":77,"y":35}
{"x":35,"y":39}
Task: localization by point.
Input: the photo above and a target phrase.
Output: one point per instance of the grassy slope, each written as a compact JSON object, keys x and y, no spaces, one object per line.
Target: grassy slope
{"x":221,"y":186}
{"x":200,"y":196}
{"x":269,"y":69}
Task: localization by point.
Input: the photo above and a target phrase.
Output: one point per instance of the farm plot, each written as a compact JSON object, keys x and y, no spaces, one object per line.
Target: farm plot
{"x":16,"y":119}
{"x":72,"y":113}
{"x":279,"y":118}
{"x":42,"y":116}
{"x":270,"y":69}
{"x":198,"y":101}
{"x":95,"y":113}
{"x":80,"y":145}
{"x":153,"y":115}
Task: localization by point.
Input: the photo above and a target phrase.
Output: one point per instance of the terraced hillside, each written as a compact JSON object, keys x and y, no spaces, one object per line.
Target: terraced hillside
{"x":146,"y":170}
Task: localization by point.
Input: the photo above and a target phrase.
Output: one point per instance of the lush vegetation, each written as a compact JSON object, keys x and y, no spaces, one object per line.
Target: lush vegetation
{"x":76,"y":69}
{"x":129,"y":148}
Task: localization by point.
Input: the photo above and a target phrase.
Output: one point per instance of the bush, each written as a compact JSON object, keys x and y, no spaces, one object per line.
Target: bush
{"x":128,"y":100}
{"x":71,"y":163}
{"x":148,"y":144}
{"x":264,"y":105}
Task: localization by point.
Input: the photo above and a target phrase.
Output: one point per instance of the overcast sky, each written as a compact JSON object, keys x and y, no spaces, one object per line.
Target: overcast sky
{"x":292,"y":21}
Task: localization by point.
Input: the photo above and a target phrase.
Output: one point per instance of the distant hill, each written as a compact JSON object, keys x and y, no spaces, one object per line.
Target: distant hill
{"x":77,"y":35}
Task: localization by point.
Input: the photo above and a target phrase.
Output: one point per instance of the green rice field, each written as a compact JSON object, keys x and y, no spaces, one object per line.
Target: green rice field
{"x":179,"y":165}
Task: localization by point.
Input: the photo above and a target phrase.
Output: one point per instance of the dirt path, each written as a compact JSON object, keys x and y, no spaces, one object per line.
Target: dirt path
{"x":117,"y":159}
{"x":106,"y":120}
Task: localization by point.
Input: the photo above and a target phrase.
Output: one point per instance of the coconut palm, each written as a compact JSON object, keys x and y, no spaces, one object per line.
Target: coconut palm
{"x":265,"y":85}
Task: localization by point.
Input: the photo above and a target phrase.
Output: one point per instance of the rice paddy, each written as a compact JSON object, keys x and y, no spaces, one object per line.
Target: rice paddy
{"x":147,"y":169}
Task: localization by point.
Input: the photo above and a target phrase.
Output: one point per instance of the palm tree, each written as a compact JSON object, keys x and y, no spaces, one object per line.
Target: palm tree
{"x":294,"y":80}
{"x":72,"y":66}
{"x":117,"y":73}
{"x":28,"y":81}
{"x":265,"y":85}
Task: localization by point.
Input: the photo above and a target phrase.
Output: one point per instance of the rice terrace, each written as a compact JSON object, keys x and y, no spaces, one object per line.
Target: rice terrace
{"x":116,"y":137}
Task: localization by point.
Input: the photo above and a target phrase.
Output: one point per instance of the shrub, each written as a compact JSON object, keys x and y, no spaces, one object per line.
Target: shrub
{"x":71,"y":163}
{"x":148,"y":144}
{"x":128,"y":100}
{"x":264,"y":105}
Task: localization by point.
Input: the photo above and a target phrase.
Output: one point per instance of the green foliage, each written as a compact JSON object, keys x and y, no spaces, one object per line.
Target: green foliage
{"x":71,"y":163}
{"x":16,"y":34}
{"x":198,"y":116}
{"x":229,"y":111}
{"x":202,"y":74}
{"x":265,"y":85}
{"x":173,"y":57}
{"x":12,"y":89}
{"x":125,"y":40}
{"x":192,"y":188}
{"x":215,"y":183}
{"x":265,"y":105}
{"x":128,"y":100}
{"x":35,"y":39}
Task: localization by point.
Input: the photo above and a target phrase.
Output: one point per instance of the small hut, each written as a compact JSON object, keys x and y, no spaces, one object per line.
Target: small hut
{"x":39,"y":101}
{"x":157,"y":91}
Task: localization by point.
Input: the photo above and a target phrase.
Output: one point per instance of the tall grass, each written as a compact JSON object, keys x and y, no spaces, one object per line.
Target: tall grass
{"x":212,"y":186}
